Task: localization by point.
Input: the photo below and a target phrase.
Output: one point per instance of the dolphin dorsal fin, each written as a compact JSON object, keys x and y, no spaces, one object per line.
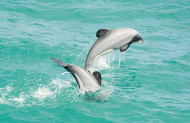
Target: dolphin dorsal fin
{"x":101,"y":32}
{"x":97,"y":75}
{"x":125,"y":47}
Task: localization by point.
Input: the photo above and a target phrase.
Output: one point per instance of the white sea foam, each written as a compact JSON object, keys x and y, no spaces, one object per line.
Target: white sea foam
{"x":43,"y":92}
{"x":52,"y":89}
{"x":4,"y":94}
{"x":21,"y":99}
{"x":6,"y":98}
{"x":60,"y":83}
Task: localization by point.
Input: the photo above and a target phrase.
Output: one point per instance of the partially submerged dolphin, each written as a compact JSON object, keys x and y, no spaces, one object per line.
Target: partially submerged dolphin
{"x":84,"y":79}
{"x":108,"y":40}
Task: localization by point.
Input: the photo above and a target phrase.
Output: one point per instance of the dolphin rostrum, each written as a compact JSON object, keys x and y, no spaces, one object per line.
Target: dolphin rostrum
{"x":108,"y":40}
{"x":84,"y":79}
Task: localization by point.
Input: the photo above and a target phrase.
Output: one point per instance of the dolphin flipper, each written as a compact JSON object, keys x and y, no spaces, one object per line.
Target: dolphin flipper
{"x":125,"y":47}
{"x":97,"y":75}
{"x":58,"y":62}
{"x":101,"y":32}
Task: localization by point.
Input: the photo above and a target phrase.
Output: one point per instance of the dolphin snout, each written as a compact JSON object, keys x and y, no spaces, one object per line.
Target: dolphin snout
{"x":137,"y":38}
{"x":141,"y":39}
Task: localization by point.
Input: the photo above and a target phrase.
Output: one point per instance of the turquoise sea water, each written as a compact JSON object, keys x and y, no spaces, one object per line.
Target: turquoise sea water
{"x":149,"y":82}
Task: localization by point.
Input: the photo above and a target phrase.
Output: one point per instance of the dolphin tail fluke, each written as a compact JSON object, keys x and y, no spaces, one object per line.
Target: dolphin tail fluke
{"x":59,"y":62}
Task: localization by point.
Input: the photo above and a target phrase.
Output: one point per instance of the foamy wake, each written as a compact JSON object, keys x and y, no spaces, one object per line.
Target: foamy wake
{"x":50,"y":91}
{"x":101,"y":95}
{"x":4,"y":93}
{"x":20,"y":99}
{"x":40,"y":92}
{"x":43,"y":92}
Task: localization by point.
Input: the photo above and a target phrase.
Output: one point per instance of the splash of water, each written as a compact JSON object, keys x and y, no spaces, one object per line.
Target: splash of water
{"x":88,"y":45}
{"x":106,"y":62}
{"x":43,"y":92}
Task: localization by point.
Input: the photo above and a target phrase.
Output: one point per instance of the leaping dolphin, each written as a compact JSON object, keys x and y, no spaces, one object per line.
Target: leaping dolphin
{"x":108,"y":40}
{"x":84,"y":79}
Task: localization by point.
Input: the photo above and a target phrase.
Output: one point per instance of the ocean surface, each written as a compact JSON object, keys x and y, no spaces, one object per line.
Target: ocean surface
{"x":148,"y":83}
